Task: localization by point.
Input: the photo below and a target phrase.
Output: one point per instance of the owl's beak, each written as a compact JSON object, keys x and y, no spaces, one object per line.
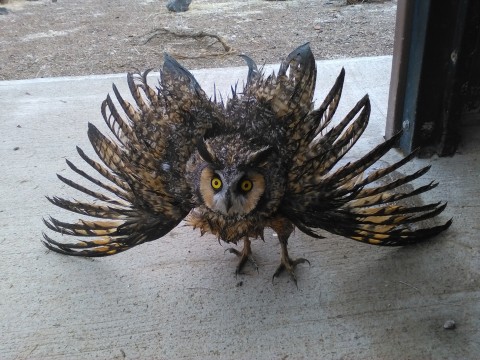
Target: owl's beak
{"x":228,"y":201}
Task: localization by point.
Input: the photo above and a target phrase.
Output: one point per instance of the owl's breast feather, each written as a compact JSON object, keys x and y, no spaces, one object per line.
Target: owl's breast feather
{"x":228,"y":229}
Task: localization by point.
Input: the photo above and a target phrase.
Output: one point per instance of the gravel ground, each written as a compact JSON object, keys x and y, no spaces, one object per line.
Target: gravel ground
{"x":48,"y":38}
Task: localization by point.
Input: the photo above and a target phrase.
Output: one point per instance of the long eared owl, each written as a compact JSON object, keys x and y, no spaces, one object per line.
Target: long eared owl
{"x":263,"y":158}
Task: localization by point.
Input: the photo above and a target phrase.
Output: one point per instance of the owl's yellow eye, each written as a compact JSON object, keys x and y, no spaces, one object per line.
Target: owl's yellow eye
{"x":246,"y":185}
{"x":216,"y":183}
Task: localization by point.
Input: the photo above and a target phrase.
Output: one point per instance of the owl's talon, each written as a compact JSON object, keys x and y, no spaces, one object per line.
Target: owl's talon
{"x":244,"y":255}
{"x":289,"y":265}
{"x":243,"y":261}
{"x":233,"y":251}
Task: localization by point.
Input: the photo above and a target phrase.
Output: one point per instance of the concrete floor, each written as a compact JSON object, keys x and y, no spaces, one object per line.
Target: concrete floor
{"x":178,"y":297}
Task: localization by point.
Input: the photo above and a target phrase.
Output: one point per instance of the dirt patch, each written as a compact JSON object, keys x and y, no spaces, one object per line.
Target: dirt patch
{"x":46,"y":38}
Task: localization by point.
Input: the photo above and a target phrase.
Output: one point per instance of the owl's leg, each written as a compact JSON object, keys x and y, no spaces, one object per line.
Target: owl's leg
{"x":244,"y":255}
{"x":284,"y":228}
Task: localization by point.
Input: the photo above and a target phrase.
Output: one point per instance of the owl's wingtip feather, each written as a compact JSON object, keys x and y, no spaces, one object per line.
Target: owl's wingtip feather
{"x":253,"y":72}
{"x":302,"y":50}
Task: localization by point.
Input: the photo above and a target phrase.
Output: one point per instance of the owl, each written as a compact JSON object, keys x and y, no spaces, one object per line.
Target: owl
{"x":262,"y":158}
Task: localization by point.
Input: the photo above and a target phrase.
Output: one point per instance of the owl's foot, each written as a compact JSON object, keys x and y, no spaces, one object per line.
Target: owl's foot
{"x":287,"y":264}
{"x":245,"y":256}
{"x":283,"y":229}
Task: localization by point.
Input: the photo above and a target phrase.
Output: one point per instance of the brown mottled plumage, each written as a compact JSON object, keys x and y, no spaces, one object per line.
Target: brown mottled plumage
{"x":264,"y":158}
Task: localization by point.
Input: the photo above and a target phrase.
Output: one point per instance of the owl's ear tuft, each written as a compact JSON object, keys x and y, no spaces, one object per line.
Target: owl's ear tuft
{"x":206,"y":152}
{"x":258,"y":157}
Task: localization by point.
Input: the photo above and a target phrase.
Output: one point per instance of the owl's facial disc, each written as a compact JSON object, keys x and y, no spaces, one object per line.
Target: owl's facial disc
{"x":230,"y":197}
{"x":234,"y":195}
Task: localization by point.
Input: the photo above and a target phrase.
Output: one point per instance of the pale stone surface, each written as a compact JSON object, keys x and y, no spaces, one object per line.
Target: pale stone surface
{"x":178,"y":297}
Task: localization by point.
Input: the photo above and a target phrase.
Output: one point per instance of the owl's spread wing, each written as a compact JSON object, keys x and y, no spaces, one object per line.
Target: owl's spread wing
{"x":321,"y":194}
{"x":142,"y":166}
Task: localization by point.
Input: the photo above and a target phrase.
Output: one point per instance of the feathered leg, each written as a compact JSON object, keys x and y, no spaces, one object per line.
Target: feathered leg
{"x":284,"y":229}
{"x":244,"y":255}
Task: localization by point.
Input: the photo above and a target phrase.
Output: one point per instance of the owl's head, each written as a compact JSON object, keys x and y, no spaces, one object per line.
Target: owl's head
{"x":234,"y":181}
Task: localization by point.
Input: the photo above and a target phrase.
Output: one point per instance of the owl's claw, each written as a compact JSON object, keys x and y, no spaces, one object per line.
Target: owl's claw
{"x":289,"y":265}
{"x":244,"y":255}
{"x":244,"y":258}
